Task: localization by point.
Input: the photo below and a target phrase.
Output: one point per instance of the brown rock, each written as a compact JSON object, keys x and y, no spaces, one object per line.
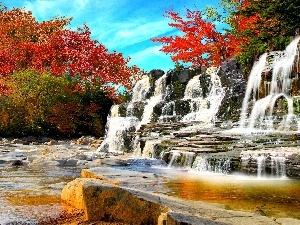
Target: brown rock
{"x":72,"y":193}
{"x":106,"y":202}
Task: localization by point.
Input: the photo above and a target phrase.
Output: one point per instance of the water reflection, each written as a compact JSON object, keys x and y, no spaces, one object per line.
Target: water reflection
{"x":271,"y":197}
{"x":29,"y":194}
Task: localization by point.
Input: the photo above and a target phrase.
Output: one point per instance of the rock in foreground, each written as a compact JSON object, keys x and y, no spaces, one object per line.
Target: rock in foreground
{"x":102,"y":200}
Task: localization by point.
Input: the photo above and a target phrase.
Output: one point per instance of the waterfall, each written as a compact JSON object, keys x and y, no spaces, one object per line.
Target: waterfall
{"x":266,"y":164}
{"x":261,"y":166}
{"x":159,"y":92}
{"x":174,"y":155}
{"x":118,"y":126}
{"x":168,"y":112}
{"x":205,"y":163}
{"x":261,"y":116}
{"x":204,"y":109}
{"x":201,"y":163}
{"x":278,"y":166}
{"x":149,"y":148}
{"x":140,"y":90}
{"x":183,"y":159}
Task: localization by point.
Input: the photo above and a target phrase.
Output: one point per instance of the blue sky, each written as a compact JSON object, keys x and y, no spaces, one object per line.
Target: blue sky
{"x":122,"y":25}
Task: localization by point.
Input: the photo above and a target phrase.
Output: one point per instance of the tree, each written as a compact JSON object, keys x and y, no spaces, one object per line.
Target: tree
{"x":43,"y":104}
{"x":263,"y":26}
{"x":49,"y":46}
{"x":255,"y":26}
{"x":201,"y":44}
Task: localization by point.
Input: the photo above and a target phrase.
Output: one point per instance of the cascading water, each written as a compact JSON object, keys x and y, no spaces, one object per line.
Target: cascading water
{"x":204,"y":108}
{"x":261,"y":166}
{"x":174,"y":156}
{"x":141,"y":127}
{"x":261,"y":116}
{"x":266,"y":164}
{"x":159,"y":92}
{"x":149,"y":148}
{"x":182,"y":159}
{"x":278,"y":166}
{"x":168,"y":112}
{"x":140,"y":90}
{"x":205,"y":163}
{"x":139,"y":111}
{"x":117,"y":126}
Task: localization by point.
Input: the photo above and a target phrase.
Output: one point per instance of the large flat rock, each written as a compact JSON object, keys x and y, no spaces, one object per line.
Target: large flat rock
{"x":110,"y":194}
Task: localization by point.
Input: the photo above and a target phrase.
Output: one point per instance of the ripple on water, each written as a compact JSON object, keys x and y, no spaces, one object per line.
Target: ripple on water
{"x":30,"y":194}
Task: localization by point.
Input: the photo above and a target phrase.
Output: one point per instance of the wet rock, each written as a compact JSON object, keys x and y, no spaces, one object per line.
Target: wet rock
{"x":52,"y":142}
{"x":18,"y":141}
{"x":17,"y":163}
{"x":30,"y":139}
{"x":156,"y":74}
{"x":144,"y":162}
{"x":43,"y":139}
{"x":182,"y":76}
{"x":68,"y":162}
{"x":14,"y":158}
{"x":86,"y":140}
{"x":234,"y":84}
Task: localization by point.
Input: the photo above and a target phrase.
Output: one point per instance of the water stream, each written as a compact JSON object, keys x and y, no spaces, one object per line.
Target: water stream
{"x":32,"y":194}
{"x":270,"y":197}
{"x":262,"y":117}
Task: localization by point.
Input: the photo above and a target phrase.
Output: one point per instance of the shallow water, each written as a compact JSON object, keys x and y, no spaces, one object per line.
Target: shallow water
{"x":31,"y":194}
{"x":271,"y":197}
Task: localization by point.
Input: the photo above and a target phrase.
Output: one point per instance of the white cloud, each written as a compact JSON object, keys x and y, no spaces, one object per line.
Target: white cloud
{"x":46,"y":9}
{"x":132,"y":32}
{"x":111,"y":22}
{"x":151,"y":58}
{"x":80,"y":4}
{"x":154,"y":50}
{"x":126,"y":25}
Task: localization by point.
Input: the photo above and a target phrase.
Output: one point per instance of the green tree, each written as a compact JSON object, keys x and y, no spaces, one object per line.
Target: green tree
{"x":43,"y":104}
{"x":263,"y":26}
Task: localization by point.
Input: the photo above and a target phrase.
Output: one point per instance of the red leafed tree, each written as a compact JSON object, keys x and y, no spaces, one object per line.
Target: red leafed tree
{"x":49,"y":46}
{"x":75,"y":53}
{"x":201,"y":44}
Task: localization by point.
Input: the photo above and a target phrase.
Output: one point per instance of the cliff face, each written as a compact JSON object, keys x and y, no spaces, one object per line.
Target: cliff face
{"x":201,"y":96}
{"x":182,"y":117}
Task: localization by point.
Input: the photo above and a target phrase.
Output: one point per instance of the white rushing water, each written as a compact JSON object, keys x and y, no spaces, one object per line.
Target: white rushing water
{"x":159,"y":93}
{"x":277,"y":90}
{"x":204,"y":109}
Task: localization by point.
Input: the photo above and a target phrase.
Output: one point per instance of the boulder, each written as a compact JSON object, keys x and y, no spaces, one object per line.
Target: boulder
{"x":103,"y":201}
{"x":72,"y":193}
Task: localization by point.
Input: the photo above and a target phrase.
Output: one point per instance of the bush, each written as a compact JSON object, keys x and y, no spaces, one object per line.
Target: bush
{"x":43,"y":104}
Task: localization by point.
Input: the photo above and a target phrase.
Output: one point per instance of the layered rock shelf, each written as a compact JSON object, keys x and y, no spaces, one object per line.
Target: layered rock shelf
{"x":241,"y":151}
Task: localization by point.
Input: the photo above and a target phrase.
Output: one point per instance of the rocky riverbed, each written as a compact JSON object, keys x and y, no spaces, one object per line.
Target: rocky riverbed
{"x":35,"y":172}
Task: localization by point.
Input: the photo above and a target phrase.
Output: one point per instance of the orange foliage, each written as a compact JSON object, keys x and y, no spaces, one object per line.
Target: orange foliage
{"x":49,"y":46}
{"x":201,"y":44}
